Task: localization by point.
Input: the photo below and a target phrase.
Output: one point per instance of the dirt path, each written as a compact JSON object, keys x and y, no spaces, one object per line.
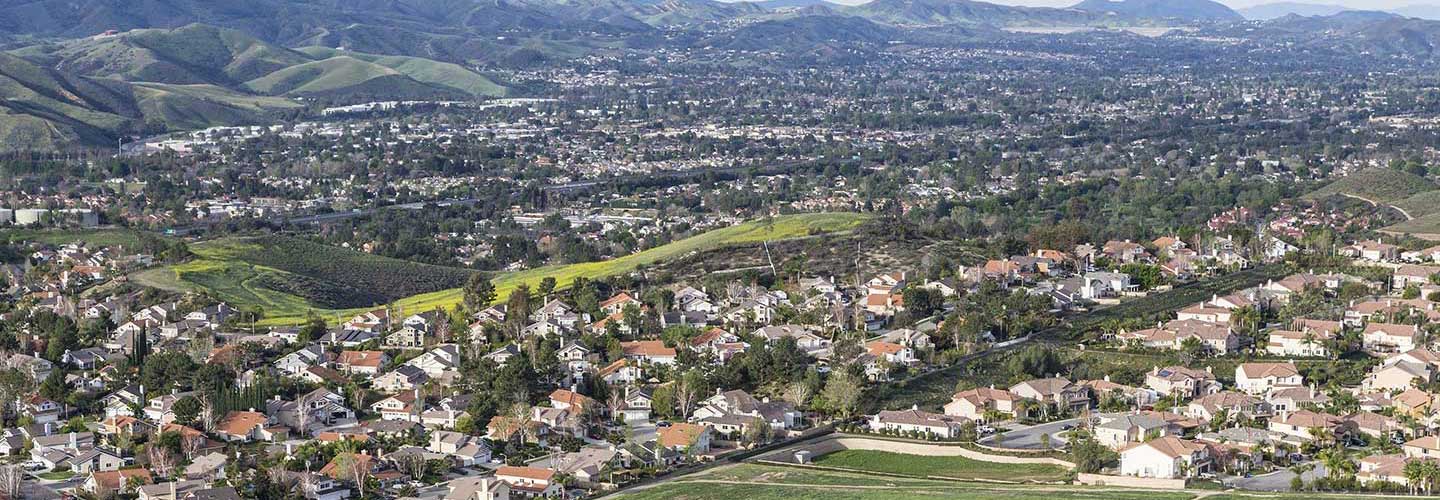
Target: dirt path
{"x":1376,"y":204}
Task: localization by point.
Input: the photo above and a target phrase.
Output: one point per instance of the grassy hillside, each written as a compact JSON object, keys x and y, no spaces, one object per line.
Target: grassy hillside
{"x":188,"y":55}
{"x":423,"y":70}
{"x":345,"y":75}
{"x":1427,"y":227}
{"x":290,"y":278}
{"x":288,"y":275}
{"x":87,"y":91}
{"x":1420,"y":205}
{"x":200,"y":106}
{"x":1378,"y":185}
{"x":43,"y":108}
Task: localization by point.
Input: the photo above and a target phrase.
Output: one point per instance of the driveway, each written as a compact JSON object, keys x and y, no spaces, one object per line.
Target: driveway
{"x":1020,"y":437}
{"x":1274,"y":481}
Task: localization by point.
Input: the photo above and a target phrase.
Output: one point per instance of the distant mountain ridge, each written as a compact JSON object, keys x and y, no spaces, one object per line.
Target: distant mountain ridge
{"x":1189,"y":10}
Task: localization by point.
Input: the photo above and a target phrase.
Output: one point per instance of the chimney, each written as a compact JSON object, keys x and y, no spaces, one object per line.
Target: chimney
{"x":1210,"y":369}
{"x":74,"y":442}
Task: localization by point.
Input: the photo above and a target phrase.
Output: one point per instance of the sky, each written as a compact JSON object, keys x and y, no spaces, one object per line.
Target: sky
{"x":1239,"y":4}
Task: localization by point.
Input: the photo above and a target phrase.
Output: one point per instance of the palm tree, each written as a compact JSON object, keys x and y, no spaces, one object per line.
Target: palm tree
{"x":1414,"y":475}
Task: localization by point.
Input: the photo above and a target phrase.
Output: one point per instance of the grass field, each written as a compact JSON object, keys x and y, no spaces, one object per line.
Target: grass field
{"x":1420,"y":205}
{"x":1426,"y":227}
{"x":226,"y":272}
{"x":928,"y":466}
{"x":766,"y":482}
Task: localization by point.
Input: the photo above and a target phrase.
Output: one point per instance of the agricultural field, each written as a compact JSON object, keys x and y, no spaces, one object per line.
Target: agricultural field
{"x":293,"y":278}
{"x":938,"y":466}
{"x":766,"y":482}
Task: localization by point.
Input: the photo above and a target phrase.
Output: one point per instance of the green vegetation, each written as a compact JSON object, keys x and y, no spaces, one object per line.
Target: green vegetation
{"x":336,"y":75}
{"x":289,"y":278}
{"x":191,"y":54}
{"x":1379,"y":185}
{"x":1427,"y":227}
{"x":57,"y":475}
{"x":933,"y":388}
{"x":99,"y":237}
{"x":763,"y":482}
{"x":929,"y":466}
{"x":1420,"y":205}
{"x":200,"y":106}
{"x":443,"y":74}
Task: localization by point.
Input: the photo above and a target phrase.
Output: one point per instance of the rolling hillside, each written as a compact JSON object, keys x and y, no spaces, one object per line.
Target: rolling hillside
{"x":88,"y":91}
{"x":292,"y":278}
{"x":189,"y":55}
{"x":43,"y":108}
{"x":347,"y":76}
{"x":1379,"y":185}
{"x":426,"y":71}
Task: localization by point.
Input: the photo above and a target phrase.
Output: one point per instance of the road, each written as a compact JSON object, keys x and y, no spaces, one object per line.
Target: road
{"x":1023,"y":437}
{"x":1274,"y":481}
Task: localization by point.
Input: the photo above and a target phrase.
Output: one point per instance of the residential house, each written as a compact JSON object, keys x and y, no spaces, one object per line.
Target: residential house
{"x":1166,"y":457}
{"x":917,"y":421}
{"x":1260,"y":378}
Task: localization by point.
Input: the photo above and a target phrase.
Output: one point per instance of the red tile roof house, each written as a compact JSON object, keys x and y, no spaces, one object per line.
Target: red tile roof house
{"x":101,"y":483}
{"x":651,"y":351}
{"x":529,"y":481}
{"x":362,"y":362}
{"x":246,"y":426}
{"x":684,"y":437}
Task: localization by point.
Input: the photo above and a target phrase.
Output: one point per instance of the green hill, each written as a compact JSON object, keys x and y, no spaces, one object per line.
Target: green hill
{"x":45,"y":109}
{"x":1377,"y":185}
{"x":189,"y":55}
{"x":200,"y":106}
{"x":1420,"y":205}
{"x":423,"y":70}
{"x":346,"y":76}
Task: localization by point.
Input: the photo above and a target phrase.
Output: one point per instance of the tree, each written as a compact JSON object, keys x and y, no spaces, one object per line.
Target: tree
{"x":162,"y":459}
{"x":10,"y":480}
{"x":798,"y":394}
{"x":479,"y":292}
{"x":186,"y":409}
{"x":843,"y":392}
{"x":517,"y":309}
{"x":547,"y":286}
{"x":688,"y":389}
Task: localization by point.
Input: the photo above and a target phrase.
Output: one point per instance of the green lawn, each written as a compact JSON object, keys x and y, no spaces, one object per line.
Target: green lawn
{"x":57,"y":476}
{"x":928,"y":466}
{"x":221,"y":272}
{"x":770,"y":482}
{"x":763,"y":482}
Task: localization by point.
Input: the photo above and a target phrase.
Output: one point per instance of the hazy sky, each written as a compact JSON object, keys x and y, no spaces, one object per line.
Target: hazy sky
{"x":1354,"y":4}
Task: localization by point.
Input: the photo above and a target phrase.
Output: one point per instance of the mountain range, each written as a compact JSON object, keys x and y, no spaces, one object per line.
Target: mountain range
{"x":82,"y":72}
{"x":1277,"y":10}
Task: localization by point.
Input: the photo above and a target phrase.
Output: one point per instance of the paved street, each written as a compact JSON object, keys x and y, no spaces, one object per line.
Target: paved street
{"x":1274,"y":481}
{"x":1021,"y":437}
